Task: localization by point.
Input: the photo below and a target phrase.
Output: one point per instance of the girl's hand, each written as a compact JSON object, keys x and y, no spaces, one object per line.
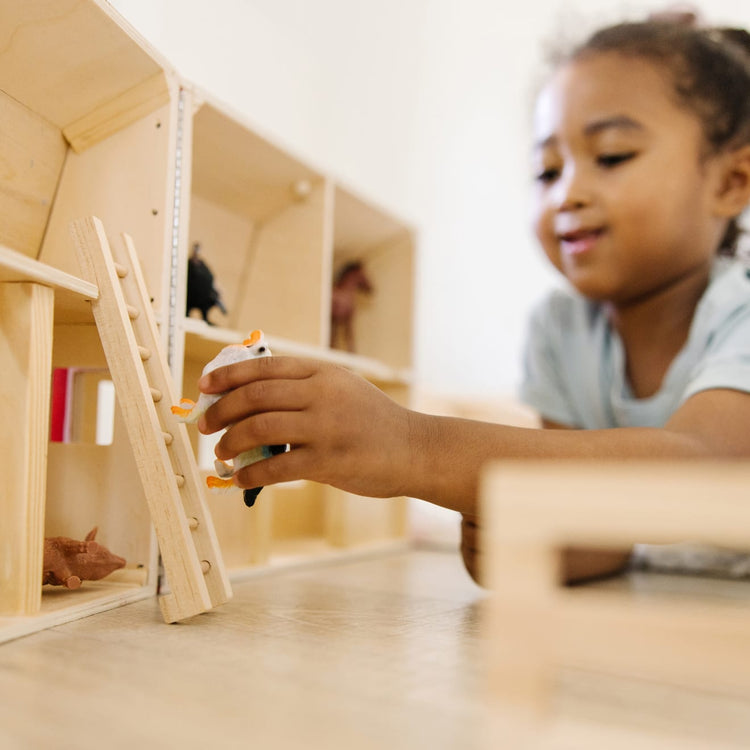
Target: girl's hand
{"x":342,"y":430}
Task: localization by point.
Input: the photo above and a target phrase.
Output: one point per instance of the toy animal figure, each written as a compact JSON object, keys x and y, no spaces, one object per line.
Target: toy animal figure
{"x":351,"y":279}
{"x":67,"y":562}
{"x":202,"y":294}
{"x":190,"y":411}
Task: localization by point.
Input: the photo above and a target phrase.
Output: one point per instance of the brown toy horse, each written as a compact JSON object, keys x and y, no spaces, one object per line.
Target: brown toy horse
{"x":67,"y":562}
{"x":351,"y":279}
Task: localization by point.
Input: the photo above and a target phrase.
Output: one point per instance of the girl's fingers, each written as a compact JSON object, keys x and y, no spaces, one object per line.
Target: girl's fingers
{"x":227,"y":378}
{"x":269,"y":428}
{"x":285,"y":467}
{"x":252,"y":398}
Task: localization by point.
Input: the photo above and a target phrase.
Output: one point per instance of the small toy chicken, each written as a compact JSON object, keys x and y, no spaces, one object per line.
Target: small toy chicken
{"x":190,"y":411}
{"x":67,"y":561}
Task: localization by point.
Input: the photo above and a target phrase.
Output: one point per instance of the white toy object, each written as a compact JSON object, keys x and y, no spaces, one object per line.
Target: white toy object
{"x":190,"y":411}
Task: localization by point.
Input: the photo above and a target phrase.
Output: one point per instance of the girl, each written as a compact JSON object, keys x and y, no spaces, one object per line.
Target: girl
{"x":641,"y":166}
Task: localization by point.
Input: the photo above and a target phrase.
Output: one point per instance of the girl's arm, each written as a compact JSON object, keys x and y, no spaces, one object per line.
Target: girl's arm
{"x":347,"y":433}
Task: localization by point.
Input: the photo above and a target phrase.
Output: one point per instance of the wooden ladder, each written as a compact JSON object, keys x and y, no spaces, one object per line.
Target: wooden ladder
{"x":166,"y":464}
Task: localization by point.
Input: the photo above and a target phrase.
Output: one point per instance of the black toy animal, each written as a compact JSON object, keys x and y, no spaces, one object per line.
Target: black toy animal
{"x":201,"y":293}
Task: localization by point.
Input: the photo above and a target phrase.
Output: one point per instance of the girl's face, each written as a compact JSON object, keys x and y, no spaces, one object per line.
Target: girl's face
{"x":623,"y":190}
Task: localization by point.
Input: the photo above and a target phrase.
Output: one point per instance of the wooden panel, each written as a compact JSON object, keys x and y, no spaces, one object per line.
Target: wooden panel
{"x":32,"y":153}
{"x":117,"y":113}
{"x":65,"y":59}
{"x":285,"y":270}
{"x":244,"y":533}
{"x":298,"y":511}
{"x":383,"y":322}
{"x":352,"y":520}
{"x":126,"y":181}
{"x":224,"y":237}
{"x":26,"y":318}
{"x":237,"y":168}
{"x":360,"y":226}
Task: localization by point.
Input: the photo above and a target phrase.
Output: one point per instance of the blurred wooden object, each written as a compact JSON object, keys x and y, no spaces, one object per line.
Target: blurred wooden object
{"x":537,"y":629}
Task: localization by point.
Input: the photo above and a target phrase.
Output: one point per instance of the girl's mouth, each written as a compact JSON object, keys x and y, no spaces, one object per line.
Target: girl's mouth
{"x":580,"y":241}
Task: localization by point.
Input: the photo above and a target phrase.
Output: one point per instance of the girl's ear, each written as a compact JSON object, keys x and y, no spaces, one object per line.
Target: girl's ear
{"x":734,"y":185}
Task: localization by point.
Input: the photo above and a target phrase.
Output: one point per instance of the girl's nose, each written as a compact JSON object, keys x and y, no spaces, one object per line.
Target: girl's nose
{"x":572,"y":190}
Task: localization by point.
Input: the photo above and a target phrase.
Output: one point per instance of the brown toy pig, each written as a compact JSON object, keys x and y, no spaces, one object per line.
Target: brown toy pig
{"x":67,"y":562}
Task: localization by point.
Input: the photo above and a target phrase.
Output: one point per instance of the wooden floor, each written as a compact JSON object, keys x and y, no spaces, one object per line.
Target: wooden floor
{"x":383,"y":652}
{"x":374,"y":653}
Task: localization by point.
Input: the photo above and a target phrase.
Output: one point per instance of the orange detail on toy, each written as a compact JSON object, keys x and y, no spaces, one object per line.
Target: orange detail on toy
{"x":184,"y":409}
{"x":214,"y":483}
{"x":254,"y":338}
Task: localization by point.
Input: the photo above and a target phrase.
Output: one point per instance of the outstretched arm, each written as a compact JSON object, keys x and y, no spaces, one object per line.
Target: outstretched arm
{"x":347,"y":433}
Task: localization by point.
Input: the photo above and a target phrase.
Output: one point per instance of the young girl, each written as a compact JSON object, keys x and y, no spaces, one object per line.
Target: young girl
{"x":641,"y":165}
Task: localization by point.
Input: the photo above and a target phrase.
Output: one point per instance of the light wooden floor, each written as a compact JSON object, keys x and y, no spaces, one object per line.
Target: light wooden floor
{"x":381,"y":653}
{"x":374,"y":653}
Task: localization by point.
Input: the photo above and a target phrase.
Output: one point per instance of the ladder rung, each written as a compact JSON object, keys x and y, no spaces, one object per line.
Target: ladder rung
{"x":193,"y":523}
{"x":205,"y":566}
{"x":156,"y":394}
{"x":144,"y":352}
{"x":180,"y":480}
{"x":121,"y":270}
{"x":168,"y":437}
{"x":132,"y":312}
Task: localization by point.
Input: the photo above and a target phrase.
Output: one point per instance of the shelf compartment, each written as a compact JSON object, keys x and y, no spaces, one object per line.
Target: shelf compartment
{"x":260,"y":218}
{"x":204,"y":342}
{"x":383,"y":321}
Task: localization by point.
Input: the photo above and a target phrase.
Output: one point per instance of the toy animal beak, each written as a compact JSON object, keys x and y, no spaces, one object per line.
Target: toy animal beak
{"x":254,"y":338}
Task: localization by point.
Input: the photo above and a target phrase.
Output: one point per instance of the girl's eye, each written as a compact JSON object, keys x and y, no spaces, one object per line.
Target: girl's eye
{"x":612,"y":160}
{"x":547,"y":175}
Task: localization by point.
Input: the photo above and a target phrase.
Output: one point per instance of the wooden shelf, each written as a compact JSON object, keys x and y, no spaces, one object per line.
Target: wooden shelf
{"x":383,"y":325}
{"x":71,"y":293}
{"x":79,"y":66}
{"x":238,"y":169}
{"x":60,"y":605}
{"x":203,"y":342}
{"x":99,"y":124}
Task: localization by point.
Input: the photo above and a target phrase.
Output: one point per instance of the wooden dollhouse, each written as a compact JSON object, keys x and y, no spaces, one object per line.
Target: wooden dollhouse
{"x":97,"y":123}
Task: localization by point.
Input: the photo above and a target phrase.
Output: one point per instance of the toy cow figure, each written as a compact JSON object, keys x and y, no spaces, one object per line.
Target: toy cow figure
{"x":190,"y":411}
{"x":67,"y":561}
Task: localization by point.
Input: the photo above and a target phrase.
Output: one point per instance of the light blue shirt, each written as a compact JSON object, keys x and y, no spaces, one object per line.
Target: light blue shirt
{"x":575,"y":362}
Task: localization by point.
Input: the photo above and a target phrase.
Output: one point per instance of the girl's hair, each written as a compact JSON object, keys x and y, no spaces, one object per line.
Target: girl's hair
{"x":710,"y":69}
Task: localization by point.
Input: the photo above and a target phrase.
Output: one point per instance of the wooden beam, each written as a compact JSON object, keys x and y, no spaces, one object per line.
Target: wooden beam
{"x":26,"y":323}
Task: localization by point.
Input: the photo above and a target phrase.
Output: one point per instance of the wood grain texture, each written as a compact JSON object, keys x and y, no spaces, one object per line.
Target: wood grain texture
{"x":383,"y":652}
{"x":379,"y":653}
{"x":534,"y":509}
{"x":65,"y":59}
{"x":152,"y":428}
{"x":26,"y":323}
{"x":32,"y":153}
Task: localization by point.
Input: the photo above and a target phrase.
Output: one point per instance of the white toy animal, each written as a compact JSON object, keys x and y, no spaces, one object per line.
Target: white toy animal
{"x":190,"y":411}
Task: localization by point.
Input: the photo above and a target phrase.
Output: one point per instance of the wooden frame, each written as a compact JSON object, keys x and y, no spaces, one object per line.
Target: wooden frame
{"x":536,"y":628}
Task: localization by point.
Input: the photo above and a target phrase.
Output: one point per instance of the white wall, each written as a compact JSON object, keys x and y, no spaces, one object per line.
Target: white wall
{"x":422,"y":106}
